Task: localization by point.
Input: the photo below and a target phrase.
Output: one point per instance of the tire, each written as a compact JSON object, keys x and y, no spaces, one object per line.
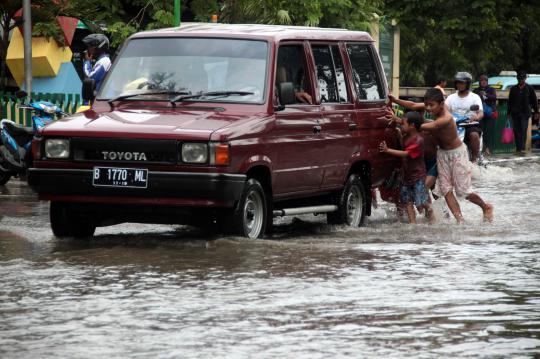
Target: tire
{"x":351,"y":204}
{"x":4,"y":177}
{"x":250,"y":216}
{"x":66,"y":222}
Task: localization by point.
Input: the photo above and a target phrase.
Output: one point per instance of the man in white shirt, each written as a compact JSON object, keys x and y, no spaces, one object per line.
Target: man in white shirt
{"x":460,"y":103}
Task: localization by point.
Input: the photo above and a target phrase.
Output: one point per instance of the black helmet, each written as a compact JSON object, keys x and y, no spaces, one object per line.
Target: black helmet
{"x":463,"y":77}
{"x":100,"y":41}
{"x":521,"y":75}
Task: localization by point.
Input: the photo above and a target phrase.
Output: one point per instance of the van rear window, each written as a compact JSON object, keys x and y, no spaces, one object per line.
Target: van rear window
{"x":365,"y":76}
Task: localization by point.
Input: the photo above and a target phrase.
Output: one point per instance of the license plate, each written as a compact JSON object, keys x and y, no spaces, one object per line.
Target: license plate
{"x":120,"y":177}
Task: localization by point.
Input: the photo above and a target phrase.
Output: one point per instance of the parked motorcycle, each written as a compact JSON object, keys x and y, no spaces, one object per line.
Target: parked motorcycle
{"x":16,"y":140}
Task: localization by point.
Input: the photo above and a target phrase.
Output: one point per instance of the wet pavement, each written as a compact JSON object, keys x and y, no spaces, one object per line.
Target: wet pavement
{"x":312,"y":291}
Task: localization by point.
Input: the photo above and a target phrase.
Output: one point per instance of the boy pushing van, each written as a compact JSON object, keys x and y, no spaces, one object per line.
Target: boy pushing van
{"x":453,"y":162}
{"x":413,"y":190}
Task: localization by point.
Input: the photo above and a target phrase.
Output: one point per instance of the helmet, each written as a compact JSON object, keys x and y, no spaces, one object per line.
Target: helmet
{"x":463,"y":77}
{"x":521,"y":75}
{"x":100,"y":41}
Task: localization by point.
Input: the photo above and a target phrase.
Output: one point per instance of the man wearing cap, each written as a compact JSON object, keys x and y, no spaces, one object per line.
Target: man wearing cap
{"x":521,"y":100}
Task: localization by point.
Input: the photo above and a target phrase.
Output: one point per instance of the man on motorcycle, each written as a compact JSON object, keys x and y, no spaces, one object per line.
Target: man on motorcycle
{"x":97,"y":48}
{"x":460,"y":103}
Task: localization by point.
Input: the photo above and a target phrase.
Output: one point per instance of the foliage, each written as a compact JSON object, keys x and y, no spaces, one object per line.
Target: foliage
{"x":439,"y":37}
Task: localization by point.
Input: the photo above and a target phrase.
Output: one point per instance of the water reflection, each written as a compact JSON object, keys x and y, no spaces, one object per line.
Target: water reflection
{"x":312,"y":291}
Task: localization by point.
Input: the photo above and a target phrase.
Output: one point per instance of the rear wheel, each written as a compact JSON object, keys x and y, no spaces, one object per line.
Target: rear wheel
{"x":4,"y":177}
{"x":351,"y":204}
{"x":67,"y":222}
{"x":250,"y":217}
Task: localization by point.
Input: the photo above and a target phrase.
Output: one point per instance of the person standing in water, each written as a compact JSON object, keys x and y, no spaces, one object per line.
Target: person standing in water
{"x":453,"y":165}
{"x":413,"y":190}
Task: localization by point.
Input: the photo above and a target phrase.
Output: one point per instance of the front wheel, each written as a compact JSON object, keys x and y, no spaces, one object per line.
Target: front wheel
{"x":67,"y":222}
{"x":4,"y":177}
{"x":351,"y":204}
{"x":249,"y":218}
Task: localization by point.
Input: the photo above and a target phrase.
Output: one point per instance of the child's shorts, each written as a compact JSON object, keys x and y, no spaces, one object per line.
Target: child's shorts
{"x":415,"y":193}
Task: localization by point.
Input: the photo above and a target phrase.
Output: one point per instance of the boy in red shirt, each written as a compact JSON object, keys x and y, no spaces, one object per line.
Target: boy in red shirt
{"x":413,"y":190}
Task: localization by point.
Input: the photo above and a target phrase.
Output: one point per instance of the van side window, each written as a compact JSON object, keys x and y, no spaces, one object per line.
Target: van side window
{"x":365,"y":76}
{"x":340,"y":74}
{"x":326,"y":75}
{"x":291,"y":67}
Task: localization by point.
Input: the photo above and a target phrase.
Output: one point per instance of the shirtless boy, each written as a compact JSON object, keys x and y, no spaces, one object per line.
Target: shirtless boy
{"x":453,"y":162}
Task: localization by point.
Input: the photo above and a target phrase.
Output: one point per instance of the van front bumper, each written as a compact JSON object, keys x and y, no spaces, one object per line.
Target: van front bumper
{"x":165,"y":186}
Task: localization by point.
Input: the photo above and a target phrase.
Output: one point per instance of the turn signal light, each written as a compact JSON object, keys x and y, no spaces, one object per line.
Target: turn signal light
{"x":220,"y":154}
{"x":36,"y":148}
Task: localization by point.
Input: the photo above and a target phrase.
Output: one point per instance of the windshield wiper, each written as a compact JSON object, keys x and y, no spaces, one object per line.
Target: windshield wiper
{"x":211,"y":93}
{"x":164,"y":92}
{"x":142,"y":93}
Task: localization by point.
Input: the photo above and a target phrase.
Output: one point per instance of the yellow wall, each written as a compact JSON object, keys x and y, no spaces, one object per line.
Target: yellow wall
{"x":47,"y":56}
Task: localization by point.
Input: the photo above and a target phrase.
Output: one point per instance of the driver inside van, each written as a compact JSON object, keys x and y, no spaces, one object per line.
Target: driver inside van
{"x":290,"y":69}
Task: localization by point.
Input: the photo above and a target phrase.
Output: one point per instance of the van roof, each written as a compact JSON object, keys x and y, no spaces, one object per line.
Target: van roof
{"x":257,"y":31}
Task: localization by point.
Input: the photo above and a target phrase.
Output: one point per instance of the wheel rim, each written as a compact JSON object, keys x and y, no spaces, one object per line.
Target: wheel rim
{"x":354,"y":206}
{"x":253,"y":214}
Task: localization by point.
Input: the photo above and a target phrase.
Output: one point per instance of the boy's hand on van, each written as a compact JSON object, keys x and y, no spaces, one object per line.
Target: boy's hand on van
{"x":391,"y":97}
{"x":383,"y":147}
{"x":391,"y":116}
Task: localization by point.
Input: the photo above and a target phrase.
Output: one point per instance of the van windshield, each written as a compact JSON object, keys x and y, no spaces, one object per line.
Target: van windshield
{"x":190,"y":66}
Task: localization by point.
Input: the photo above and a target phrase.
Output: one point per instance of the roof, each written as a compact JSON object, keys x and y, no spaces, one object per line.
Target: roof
{"x":251,"y":31}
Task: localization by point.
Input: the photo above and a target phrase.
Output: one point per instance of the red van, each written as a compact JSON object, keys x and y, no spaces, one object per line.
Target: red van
{"x":228,"y":124}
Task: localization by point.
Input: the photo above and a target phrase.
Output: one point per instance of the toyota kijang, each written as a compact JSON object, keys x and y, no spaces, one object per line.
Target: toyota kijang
{"x":226,"y":125}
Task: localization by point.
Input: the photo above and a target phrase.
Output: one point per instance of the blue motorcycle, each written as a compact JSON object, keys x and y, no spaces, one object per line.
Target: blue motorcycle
{"x":462,"y":122}
{"x":16,"y":140}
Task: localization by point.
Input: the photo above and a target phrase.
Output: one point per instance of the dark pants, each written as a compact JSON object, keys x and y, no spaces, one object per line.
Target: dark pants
{"x":488,"y":130}
{"x":520,"y":122}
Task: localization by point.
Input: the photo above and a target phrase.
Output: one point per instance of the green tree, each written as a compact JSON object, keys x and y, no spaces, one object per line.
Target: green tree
{"x":441,"y":37}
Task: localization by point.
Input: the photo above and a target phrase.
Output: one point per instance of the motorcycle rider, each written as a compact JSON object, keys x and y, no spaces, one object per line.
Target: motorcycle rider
{"x":460,"y":103}
{"x":97,"y":48}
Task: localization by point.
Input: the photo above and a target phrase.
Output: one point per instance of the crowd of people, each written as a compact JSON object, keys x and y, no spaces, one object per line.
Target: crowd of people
{"x":436,"y":159}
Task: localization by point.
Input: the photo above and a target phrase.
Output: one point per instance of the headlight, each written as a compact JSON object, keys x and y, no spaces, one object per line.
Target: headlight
{"x":57,"y":148}
{"x":195,"y":152}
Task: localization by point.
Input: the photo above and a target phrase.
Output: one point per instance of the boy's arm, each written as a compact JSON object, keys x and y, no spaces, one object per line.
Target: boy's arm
{"x":415,"y":106}
{"x":438,"y":123}
{"x":397,"y":153}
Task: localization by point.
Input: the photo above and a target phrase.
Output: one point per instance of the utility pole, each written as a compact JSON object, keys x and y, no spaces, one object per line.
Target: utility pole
{"x":176,"y":12}
{"x":27,"y":27}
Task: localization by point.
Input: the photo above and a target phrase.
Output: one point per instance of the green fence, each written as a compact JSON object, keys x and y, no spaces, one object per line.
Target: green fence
{"x":9,"y":105}
{"x":497,"y":146}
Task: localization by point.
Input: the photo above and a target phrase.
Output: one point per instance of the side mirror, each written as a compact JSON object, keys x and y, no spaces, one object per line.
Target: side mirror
{"x":88,"y":87}
{"x":474,"y":108}
{"x":21,"y":94}
{"x":286,"y":93}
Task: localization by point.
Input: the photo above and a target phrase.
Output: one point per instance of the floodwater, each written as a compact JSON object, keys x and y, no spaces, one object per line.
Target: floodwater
{"x":389,"y":289}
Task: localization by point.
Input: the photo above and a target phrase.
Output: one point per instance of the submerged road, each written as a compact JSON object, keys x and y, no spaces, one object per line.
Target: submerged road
{"x":389,"y":289}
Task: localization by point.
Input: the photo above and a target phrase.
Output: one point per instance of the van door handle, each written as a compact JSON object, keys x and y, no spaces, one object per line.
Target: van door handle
{"x":317,"y":129}
{"x":353,"y":126}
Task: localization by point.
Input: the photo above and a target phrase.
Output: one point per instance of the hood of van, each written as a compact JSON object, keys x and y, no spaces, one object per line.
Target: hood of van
{"x":177,"y":124}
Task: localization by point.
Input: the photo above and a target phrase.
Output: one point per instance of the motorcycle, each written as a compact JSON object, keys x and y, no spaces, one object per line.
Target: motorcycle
{"x":16,"y":140}
{"x":462,"y":122}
